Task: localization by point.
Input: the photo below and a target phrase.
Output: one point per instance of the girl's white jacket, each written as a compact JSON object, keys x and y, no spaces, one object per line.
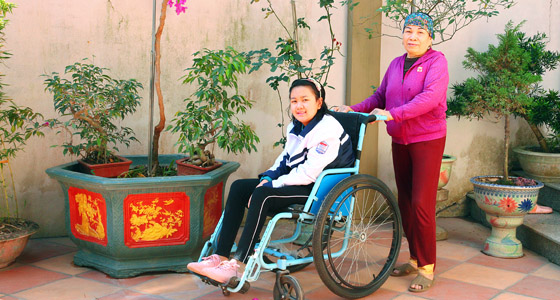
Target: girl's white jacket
{"x":322,"y":144}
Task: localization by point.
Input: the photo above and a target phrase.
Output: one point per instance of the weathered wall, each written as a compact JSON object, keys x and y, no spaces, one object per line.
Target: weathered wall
{"x":478,"y":145}
{"x":45,"y":36}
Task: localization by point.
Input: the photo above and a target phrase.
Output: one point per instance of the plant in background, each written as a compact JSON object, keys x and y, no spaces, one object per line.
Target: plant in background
{"x":544,"y":111}
{"x":17,"y":125}
{"x":209,"y":116}
{"x":502,"y":86}
{"x":449,"y":16}
{"x":90,"y":105}
{"x":288,"y":63}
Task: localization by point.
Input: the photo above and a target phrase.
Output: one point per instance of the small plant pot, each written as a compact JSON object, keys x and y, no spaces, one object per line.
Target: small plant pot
{"x":12,"y":247}
{"x":445,"y":170}
{"x":505,"y":207}
{"x":109,"y":170}
{"x":184,"y":168}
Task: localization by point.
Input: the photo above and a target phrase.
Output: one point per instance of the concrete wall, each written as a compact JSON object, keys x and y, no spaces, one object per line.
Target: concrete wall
{"x":478,"y":145}
{"x":45,"y":36}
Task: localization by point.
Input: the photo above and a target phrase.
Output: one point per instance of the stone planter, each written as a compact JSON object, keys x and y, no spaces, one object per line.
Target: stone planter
{"x":505,"y":207}
{"x":542,"y":166}
{"x":128,"y":226}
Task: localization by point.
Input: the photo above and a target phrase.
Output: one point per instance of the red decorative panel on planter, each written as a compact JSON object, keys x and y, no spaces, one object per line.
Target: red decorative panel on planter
{"x":156,"y":219}
{"x":88,"y":215}
{"x":212,"y":209}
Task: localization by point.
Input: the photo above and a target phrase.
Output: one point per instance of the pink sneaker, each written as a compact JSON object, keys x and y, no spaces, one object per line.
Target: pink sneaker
{"x":223,"y":272}
{"x":207,"y":262}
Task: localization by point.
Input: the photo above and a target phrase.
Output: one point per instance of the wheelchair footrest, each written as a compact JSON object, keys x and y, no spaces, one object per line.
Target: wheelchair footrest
{"x":232,"y":283}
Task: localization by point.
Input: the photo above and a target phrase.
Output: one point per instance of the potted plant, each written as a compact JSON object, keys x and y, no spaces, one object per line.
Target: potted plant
{"x":209,"y":117}
{"x":542,"y":161}
{"x":502,"y":87}
{"x":90,"y":105}
{"x":17,"y":125}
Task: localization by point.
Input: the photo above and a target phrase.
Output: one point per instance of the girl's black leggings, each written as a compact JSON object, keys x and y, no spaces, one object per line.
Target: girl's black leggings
{"x":264,"y":200}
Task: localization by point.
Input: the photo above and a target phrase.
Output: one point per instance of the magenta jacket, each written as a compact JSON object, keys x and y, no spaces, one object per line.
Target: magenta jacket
{"x":417,"y":102}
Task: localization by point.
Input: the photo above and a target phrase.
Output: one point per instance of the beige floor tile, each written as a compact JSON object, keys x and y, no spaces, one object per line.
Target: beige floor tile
{"x":550,"y":271}
{"x":69,"y":289}
{"x":456,"y":251}
{"x":408,"y":297}
{"x":398,"y":284}
{"x":512,"y":296}
{"x":484,"y":276}
{"x":175,"y":286}
{"x":62,"y":264}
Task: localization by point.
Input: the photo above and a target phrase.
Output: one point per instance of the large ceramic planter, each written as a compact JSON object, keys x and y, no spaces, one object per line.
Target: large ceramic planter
{"x":445,"y":170}
{"x":11,"y":248}
{"x":128,"y":226}
{"x":539,"y":165}
{"x":505,"y":206}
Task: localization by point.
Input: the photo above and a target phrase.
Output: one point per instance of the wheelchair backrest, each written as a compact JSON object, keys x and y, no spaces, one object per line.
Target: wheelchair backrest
{"x":351,"y":122}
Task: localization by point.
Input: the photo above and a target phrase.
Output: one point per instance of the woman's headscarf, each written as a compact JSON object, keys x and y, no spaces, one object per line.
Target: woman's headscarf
{"x":421,"y":20}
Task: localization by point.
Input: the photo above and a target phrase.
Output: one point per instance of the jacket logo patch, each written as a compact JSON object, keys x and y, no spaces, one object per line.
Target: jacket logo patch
{"x":419,"y":70}
{"x":322,"y":148}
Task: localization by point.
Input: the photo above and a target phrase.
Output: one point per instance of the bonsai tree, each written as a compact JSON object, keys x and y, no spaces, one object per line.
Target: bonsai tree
{"x":544,"y":111}
{"x":502,"y":86}
{"x":209,"y":116}
{"x":17,"y":125}
{"x":90,"y":105}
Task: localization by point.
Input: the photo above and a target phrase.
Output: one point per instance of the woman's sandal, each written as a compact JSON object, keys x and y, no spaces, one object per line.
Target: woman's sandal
{"x":424,"y":282}
{"x":403,"y":270}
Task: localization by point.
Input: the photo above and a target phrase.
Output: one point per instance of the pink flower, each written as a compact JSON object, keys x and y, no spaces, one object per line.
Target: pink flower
{"x":170,"y":3}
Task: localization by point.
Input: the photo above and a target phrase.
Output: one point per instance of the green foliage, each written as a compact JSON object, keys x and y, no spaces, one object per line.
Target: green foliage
{"x":209,"y":117}
{"x":17,"y":125}
{"x":89,"y":104}
{"x":504,"y":81}
{"x":287,"y":64}
{"x":449,"y":16}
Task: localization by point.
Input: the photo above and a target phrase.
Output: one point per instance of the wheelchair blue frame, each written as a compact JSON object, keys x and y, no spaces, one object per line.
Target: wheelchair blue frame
{"x":325,"y":182}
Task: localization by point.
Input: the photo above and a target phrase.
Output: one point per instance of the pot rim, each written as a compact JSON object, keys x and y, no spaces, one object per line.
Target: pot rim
{"x":448,"y":158}
{"x":523,"y":150}
{"x":474,"y":180}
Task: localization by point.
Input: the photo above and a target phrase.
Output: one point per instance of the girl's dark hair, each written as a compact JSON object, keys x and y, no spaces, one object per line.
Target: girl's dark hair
{"x":319,"y":92}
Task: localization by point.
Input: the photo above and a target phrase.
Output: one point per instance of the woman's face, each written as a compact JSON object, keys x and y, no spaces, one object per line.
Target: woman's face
{"x":304,"y":104}
{"x":416,"y":40}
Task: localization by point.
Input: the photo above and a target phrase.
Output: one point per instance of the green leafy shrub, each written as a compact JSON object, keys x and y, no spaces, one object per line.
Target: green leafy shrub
{"x":209,"y":116}
{"x":90,"y":103}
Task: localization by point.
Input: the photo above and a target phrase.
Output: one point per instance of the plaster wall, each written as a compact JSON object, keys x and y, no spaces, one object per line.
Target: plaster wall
{"x":478,"y":145}
{"x":45,"y":36}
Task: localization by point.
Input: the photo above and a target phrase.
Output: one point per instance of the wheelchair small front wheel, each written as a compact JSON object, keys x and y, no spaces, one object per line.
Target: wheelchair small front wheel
{"x":288,"y":288}
{"x":357,"y":236}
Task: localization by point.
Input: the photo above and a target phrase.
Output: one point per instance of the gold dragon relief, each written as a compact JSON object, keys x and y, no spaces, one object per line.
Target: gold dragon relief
{"x":154,"y":221}
{"x":91,"y":219}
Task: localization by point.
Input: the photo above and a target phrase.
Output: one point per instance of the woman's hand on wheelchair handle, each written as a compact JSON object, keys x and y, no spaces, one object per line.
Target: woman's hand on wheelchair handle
{"x":342,"y":108}
{"x":381,"y":112}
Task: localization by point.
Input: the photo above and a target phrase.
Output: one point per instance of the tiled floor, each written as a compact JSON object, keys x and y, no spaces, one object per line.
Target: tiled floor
{"x":45,"y":271}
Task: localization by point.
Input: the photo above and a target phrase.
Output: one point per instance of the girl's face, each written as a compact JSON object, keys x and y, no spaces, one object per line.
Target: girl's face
{"x":304,"y":104}
{"x":416,"y":41}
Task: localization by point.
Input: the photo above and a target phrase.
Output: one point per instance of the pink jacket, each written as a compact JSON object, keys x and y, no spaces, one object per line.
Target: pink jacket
{"x":417,"y":102}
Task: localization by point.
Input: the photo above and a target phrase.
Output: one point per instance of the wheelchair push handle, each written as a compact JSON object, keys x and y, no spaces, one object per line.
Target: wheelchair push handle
{"x":372,"y":118}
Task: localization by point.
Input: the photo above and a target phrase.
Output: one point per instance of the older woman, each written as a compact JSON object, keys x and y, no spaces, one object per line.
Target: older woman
{"x":413,"y":97}
{"x":315,"y":141}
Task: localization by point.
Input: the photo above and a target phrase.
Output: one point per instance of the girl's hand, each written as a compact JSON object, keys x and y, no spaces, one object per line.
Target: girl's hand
{"x":262,"y":183}
{"x":382,"y":112}
{"x":342,"y":108}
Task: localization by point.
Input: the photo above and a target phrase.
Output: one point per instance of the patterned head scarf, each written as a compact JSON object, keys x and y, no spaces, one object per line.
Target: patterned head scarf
{"x":422,"y":20}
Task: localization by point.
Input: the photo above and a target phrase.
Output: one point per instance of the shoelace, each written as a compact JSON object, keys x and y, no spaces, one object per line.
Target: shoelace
{"x":211,"y":258}
{"x":228,"y":265}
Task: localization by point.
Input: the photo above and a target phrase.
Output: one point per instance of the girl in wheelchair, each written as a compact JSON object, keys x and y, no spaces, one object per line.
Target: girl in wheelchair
{"x":315,"y":141}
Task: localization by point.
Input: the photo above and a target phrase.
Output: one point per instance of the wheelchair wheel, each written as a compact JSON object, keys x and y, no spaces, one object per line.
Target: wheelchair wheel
{"x":289,"y":289}
{"x":297,"y":249}
{"x":357,"y":236}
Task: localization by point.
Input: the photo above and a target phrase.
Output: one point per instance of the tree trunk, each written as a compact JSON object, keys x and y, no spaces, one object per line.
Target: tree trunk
{"x":159,"y":127}
{"x":540,"y":137}
{"x":506,"y":148}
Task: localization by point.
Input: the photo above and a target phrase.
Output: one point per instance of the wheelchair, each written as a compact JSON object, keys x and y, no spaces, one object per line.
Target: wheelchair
{"x":350,"y":228}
